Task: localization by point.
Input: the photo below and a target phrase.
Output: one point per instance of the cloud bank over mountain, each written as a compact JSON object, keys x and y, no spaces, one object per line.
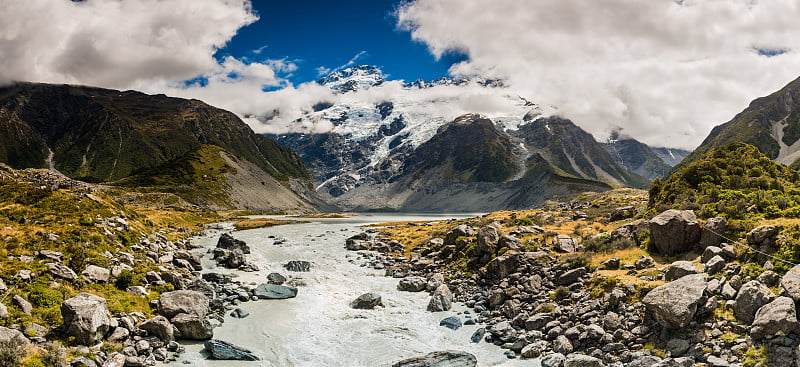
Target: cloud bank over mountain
{"x":662,"y":71}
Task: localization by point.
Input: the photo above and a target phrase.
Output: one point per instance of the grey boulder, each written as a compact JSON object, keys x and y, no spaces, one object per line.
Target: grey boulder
{"x":580,"y":360}
{"x":752,"y":296}
{"x":791,"y":282}
{"x":367,"y":301}
{"x":679,"y":269}
{"x":159,"y":327}
{"x":674,"y":231}
{"x":412,"y":284}
{"x":778,"y":317}
{"x":442,"y":299}
{"x":183,"y":301}
{"x":86,"y":318}
{"x":674,"y":304}
{"x":192,"y":327}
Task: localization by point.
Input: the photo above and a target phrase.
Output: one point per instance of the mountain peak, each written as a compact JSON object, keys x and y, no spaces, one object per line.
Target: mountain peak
{"x":356,"y":77}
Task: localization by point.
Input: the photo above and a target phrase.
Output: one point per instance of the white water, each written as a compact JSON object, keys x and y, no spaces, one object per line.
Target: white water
{"x":318,"y":327}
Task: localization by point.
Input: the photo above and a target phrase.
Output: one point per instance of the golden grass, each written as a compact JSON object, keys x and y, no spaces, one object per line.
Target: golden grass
{"x":325,"y":215}
{"x":253,"y":223}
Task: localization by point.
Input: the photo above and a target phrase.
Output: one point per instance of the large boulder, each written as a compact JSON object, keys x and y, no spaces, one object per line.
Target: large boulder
{"x":504,"y":265}
{"x":763,"y":236}
{"x":712,"y":232}
{"x":674,"y":304}
{"x":460,"y":232}
{"x":412,"y":284}
{"x":298,"y":265}
{"x":674,"y":231}
{"x":449,"y":358}
{"x":442,"y":299}
{"x":791,"y":283}
{"x":86,"y":318}
{"x":274,"y":291}
{"x":227,"y":242}
{"x":778,"y":317}
{"x":630,"y":231}
{"x":572,"y":276}
{"x":159,"y":327}
{"x":752,"y":296}
{"x":487,"y":237}
{"x":219,"y":349}
{"x":367,"y":301}
{"x":183,"y":301}
{"x":192,"y":327}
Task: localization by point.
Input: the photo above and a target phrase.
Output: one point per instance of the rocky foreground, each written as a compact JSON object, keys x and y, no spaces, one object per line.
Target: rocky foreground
{"x":552,"y":304}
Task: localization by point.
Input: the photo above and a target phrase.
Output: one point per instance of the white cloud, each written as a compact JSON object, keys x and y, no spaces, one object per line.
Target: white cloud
{"x":115,"y":43}
{"x":664,"y":71}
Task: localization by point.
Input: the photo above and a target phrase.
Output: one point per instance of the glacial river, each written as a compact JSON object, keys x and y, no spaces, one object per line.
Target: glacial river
{"x":318,"y":327}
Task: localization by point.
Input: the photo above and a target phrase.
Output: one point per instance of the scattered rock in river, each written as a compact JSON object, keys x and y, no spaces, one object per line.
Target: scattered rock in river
{"x":274,"y":291}
{"x":441,"y":300}
{"x":219,"y":349}
{"x":367,"y":301}
{"x":298,"y":266}
{"x":449,"y":358}
{"x":452,"y":322}
{"x":276,"y":278}
{"x":412,"y":284}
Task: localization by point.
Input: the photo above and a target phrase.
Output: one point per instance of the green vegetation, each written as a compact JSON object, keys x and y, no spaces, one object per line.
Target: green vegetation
{"x":755,"y":356}
{"x":735,"y":181}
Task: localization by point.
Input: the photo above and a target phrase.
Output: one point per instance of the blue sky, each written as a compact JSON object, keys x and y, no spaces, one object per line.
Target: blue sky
{"x":327,"y":34}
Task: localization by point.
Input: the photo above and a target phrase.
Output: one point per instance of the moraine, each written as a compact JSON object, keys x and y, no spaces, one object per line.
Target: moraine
{"x":318,"y":327}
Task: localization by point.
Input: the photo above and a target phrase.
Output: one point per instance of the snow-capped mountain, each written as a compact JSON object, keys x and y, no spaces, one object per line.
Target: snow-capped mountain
{"x":378,"y":123}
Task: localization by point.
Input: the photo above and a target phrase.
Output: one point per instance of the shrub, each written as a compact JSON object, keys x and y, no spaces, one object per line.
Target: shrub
{"x":53,"y":355}
{"x":42,"y":296}
{"x":601,"y":285}
{"x":85,"y":220}
{"x":574,"y":261}
{"x":11,"y":352}
{"x":124,"y":280}
{"x":525,"y":221}
{"x":561,"y":293}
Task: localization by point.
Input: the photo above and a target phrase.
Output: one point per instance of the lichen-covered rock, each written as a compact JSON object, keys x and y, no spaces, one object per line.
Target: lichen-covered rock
{"x":674,"y":304}
{"x":61,"y":271}
{"x":778,"y":317}
{"x":674,"y":231}
{"x":752,"y":296}
{"x":449,"y":358}
{"x":791,"y":283}
{"x":86,"y":318}
{"x":96,"y":274}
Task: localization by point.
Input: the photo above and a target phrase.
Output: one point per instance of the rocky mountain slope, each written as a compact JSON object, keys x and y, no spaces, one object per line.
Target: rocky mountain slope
{"x":421,"y":160}
{"x":771,"y":124}
{"x":639,"y":158}
{"x":101,"y":135}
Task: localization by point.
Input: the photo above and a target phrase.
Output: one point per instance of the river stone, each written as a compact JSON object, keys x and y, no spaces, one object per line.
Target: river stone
{"x":504,"y":265}
{"x":274,"y":291}
{"x":223,"y":350}
{"x":61,"y":271}
{"x":562,"y":345}
{"x":86,"y":318}
{"x":452,"y":322}
{"x":774,"y":318}
{"x":115,"y":360}
{"x":275,"y":278}
{"x":580,"y":360}
{"x":712,"y":230}
{"x":434,"y":281}
{"x":553,"y":360}
{"x":412,"y":284}
{"x":367,"y":301}
{"x":239,"y":313}
{"x":226,"y":241}
{"x":183,"y":301}
{"x":791,"y":282}
{"x":441,"y":300}
{"x":679,"y":269}
{"x":674,"y":231}
{"x":159,"y":327}
{"x":96,"y":274}
{"x":298,"y":265}
{"x":449,"y":358}
{"x":674,"y":304}
{"x":192,"y":327}
{"x":82,"y":362}
{"x":752,"y":296}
